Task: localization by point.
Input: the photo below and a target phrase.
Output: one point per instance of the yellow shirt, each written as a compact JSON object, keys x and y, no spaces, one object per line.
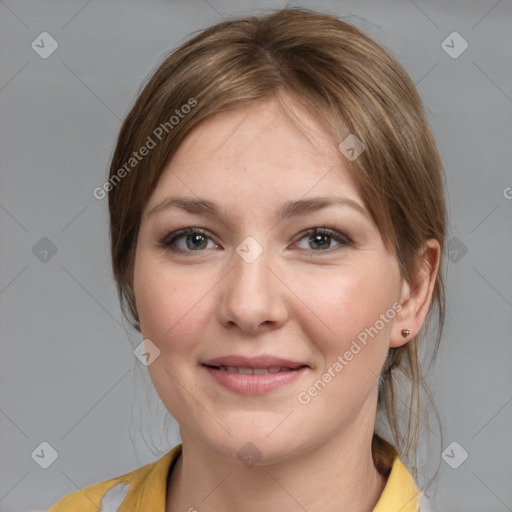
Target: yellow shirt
{"x":145,"y":488}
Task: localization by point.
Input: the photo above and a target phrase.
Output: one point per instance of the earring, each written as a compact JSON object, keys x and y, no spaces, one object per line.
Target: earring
{"x":405,"y":332}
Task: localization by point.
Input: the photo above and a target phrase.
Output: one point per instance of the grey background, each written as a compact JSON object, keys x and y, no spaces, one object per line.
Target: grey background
{"x":68,"y":375}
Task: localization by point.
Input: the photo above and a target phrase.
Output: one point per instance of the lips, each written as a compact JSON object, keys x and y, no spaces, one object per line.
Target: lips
{"x":254,"y":375}
{"x":254,"y":383}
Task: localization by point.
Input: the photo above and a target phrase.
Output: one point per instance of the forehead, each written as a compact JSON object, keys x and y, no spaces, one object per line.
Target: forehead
{"x":264,"y":149}
{"x":259,"y":129}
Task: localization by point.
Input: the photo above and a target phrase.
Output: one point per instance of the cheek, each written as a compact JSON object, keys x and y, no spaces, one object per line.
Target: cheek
{"x":172,"y":311}
{"x":343,"y":314}
{"x":350,"y":350}
{"x":171,"y":304}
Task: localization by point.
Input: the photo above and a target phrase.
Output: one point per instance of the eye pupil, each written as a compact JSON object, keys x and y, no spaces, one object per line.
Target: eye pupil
{"x":196,"y":238}
{"x":320,"y":238}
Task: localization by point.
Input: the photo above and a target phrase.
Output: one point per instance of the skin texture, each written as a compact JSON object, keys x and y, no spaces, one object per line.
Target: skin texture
{"x":301,"y":299}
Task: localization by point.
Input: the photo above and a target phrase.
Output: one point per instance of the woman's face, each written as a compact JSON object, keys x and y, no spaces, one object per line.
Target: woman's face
{"x":252,"y":283}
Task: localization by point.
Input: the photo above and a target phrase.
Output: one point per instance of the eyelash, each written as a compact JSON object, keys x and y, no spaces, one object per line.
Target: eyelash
{"x":168,"y":241}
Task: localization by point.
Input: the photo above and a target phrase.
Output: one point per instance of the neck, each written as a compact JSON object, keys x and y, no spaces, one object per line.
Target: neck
{"x":337,"y":475}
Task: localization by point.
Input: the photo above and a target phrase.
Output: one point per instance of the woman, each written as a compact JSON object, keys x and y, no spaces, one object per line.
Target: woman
{"x":277,"y":222}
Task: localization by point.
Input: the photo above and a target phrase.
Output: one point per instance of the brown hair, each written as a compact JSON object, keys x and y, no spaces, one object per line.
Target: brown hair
{"x":333,"y":68}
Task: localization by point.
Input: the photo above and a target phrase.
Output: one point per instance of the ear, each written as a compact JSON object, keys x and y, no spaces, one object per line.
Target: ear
{"x":416,"y":296}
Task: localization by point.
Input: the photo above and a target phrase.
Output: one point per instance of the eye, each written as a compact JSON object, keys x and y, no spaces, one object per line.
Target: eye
{"x":321,"y":239}
{"x":194,"y":240}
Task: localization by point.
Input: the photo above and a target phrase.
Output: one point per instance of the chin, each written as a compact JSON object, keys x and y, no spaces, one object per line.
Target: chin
{"x":256,"y":448}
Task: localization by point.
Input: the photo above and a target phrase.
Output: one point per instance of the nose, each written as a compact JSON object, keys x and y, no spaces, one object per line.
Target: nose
{"x":253,"y":296}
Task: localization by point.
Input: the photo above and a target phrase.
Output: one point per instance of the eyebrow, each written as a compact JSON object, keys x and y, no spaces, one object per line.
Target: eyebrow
{"x":285,"y":211}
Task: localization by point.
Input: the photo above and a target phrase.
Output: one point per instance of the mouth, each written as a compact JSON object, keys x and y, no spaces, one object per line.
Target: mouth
{"x":243,"y":380}
{"x":245,"y":370}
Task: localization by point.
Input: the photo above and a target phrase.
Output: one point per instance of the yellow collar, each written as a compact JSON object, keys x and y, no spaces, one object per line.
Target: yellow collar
{"x":147,"y":490}
{"x":400,"y":492}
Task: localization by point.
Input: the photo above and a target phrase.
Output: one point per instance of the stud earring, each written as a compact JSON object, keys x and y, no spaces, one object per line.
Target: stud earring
{"x":405,"y":332}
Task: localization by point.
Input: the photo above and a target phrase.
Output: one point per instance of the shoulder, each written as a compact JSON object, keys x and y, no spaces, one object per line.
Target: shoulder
{"x":144,"y":486}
